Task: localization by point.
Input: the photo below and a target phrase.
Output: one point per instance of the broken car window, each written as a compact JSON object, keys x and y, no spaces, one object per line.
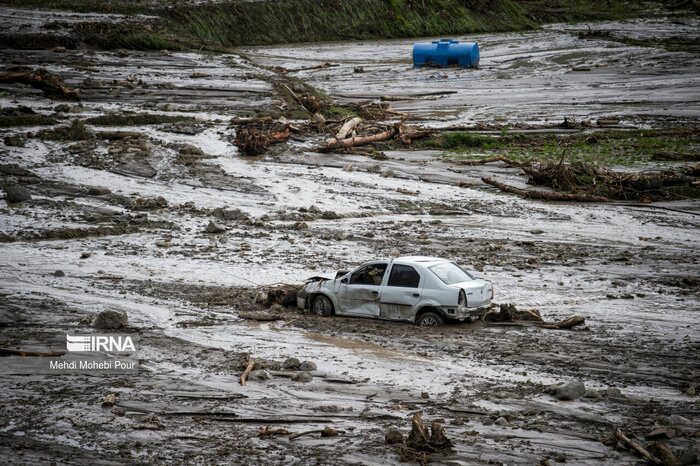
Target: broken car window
{"x":368,"y":275}
{"x":450,"y":273}
{"x":404,"y":275}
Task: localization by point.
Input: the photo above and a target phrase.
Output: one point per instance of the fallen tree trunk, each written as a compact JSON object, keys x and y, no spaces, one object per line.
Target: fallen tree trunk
{"x":547,"y":196}
{"x":325,"y":432}
{"x":565,"y":324}
{"x":358,"y":140}
{"x":398,"y":98}
{"x":49,"y":84}
{"x":498,"y":158}
{"x":348,"y":127}
{"x":620,"y":436}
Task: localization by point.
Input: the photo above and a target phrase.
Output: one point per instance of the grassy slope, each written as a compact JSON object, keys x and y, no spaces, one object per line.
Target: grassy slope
{"x":317,"y":20}
{"x":233,"y":23}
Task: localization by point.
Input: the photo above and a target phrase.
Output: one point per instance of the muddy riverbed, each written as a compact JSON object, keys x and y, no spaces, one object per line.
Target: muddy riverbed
{"x":121,"y":201}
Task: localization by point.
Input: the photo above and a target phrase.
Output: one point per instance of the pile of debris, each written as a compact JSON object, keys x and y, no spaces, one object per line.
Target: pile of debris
{"x":586,"y":182}
{"x":255,"y":135}
{"x":419,"y":446}
{"x":49,"y":83}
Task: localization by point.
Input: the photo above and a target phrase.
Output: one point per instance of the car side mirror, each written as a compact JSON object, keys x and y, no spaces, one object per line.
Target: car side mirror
{"x":344,"y":280}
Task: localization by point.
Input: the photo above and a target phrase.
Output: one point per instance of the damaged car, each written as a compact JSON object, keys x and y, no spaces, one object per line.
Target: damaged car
{"x":427,"y":291}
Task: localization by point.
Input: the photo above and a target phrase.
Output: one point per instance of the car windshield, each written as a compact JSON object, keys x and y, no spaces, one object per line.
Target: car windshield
{"x":450,"y":273}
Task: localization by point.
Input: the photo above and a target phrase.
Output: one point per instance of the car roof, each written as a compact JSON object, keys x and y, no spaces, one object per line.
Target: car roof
{"x":423,"y":260}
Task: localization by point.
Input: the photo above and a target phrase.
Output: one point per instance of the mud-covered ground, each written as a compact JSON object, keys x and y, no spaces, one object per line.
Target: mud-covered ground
{"x":125,"y":182}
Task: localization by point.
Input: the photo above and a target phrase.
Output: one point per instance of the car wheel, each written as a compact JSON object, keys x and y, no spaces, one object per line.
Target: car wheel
{"x":430,"y":319}
{"x":322,"y":306}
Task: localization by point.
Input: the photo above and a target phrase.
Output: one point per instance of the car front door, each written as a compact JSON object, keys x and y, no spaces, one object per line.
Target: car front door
{"x":360,"y":293}
{"x":401,"y":293}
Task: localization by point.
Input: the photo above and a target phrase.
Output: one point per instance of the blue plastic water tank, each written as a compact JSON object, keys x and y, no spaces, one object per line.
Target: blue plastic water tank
{"x":445,"y":52}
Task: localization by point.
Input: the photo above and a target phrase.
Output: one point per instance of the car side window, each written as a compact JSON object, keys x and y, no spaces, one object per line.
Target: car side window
{"x":371,"y":274}
{"x":403,"y":275}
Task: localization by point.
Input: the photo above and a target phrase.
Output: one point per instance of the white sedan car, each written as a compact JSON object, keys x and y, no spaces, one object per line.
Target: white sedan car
{"x":423,"y":290}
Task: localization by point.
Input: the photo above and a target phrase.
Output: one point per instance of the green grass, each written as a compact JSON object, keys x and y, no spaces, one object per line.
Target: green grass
{"x":260,"y":23}
{"x":136,"y":119}
{"x":613,"y":147}
{"x":26,"y":120}
{"x":227,"y":23}
{"x":460,"y":142}
{"x":75,"y":132}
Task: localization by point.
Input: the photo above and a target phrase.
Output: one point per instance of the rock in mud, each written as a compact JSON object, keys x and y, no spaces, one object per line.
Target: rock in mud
{"x":261,"y":374}
{"x":676,"y":420}
{"x":571,"y":390}
{"x":303,"y":377}
{"x":13,"y":141}
{"x":501,"y":421}
{"x":17,"y":194}
{"x":109,"y":400}
{"x":307,"y":366}
{"x":591,"y":394}
{"x":689,"y":456}
{"x":230,"y":214}
{"x":612,"y":391}
{"x":665,"y":432}
{"x":214,"y":227}
{"x":98,"y":191}
{"x":291,"y":364}
{"x":111,"y":319}
{"x":393,"y":436}
{"x":59,"y":273}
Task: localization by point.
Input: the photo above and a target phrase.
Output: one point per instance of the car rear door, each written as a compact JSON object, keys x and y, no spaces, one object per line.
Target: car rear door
{"x":401,"y":293}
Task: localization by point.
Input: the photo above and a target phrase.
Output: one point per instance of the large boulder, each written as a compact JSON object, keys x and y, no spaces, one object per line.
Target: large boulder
{"x":302,"y":377}
{"x":307,"y":366}
{"x":291,"y":364}
{"x":16,"y":194}
{"x":111,"y":319}
{"x":571,"y":390}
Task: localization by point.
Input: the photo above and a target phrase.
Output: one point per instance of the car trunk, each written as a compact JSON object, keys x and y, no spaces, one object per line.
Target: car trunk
{"x":478,"y":292}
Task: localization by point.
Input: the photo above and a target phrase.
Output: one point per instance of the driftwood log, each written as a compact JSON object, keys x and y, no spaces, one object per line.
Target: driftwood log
{"x":564,"y":324}
{"x":325,"y":432}
{"x":347,"y":128}
{"x":358,"y":140}
{"x":49,"y":83}
{"x":619,"y":436}
{"x":249,"y":368}
{"x":508,"y":313}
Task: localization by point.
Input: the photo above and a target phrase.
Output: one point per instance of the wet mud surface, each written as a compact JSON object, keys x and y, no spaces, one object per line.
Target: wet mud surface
{"x":122,"y":206}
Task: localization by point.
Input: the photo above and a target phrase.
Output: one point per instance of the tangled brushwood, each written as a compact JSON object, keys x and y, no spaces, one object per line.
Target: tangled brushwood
{"x":586,"y":178}
{"x":585,"y":182}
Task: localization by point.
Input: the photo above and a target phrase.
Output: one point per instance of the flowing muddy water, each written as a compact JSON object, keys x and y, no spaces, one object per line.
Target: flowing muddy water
{"x":524,"y":78}
{"x":95,"y":214}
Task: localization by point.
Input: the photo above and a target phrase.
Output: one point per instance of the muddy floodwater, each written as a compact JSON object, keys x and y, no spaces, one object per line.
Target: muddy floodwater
{"x":124,"y":214}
